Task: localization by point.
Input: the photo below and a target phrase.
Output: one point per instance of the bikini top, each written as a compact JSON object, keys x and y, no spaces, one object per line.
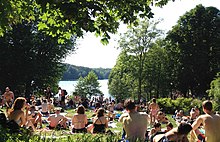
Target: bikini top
{"x":98,"y":128}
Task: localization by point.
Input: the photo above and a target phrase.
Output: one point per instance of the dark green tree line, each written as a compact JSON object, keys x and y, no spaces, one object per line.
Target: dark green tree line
{"x":195,"y":44}
{"x":75,"y":72}
{"x":186,"y":60}
{"x":28,"y":55}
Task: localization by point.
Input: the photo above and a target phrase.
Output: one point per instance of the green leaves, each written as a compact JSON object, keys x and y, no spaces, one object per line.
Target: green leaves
{"x":193,"y":40}
{"x":42,"y":26}
{"x":88,"y":86}
{"x":75,"y":17}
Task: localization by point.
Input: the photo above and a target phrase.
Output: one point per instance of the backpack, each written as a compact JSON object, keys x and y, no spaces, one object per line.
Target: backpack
{"x":65,"y":92}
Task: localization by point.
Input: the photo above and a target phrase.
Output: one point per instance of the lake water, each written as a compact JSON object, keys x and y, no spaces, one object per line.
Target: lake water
{"x":69,"y":86}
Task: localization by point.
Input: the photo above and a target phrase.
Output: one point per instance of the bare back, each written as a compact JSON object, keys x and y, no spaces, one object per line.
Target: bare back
{"x":153,"y":106}
{"x":79,"y":121}
{"x":211,"y":123}
{"x":212,"y":127}
{"x":135,"y":125}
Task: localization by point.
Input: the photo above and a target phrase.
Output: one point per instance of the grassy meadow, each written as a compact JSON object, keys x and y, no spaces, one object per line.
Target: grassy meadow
{"x":45,"y":135}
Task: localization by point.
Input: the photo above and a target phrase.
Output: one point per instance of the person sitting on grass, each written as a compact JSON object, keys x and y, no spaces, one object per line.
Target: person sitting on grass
{"x":134,"y":123}
{"x":211,"y":123}
{"x":155,"y":131}
{"x":100,"y":123}
{"x":161,"y":118}
{"x":35,"y":117}
{"x":169,"y":127}
{"x":178,"y":134}
{"x":179,"y":116}
{"x":18,"y":115}
{"x":50,"y":106}
{"x":79,"y":120}
{"x":111,"y":114}
{"x":57,"y":120}
{"x":45,"y":108}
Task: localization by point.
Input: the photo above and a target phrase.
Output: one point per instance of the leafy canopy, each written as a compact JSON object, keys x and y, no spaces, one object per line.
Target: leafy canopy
{"x":66,"y":17}
{"x":88,"y":86}
{"x":194,"y":48}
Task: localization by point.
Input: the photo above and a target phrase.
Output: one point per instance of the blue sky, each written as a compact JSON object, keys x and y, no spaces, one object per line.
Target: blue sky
{"x":91,"y":53}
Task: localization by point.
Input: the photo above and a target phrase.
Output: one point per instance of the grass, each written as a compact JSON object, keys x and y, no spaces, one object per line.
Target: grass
{"x":65,"y":135}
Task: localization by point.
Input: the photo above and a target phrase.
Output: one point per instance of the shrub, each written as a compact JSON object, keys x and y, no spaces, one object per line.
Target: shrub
{"x":170,"y":106}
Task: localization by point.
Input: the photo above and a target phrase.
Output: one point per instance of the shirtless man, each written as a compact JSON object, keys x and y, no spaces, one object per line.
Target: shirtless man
{"x":57,"y":119}
{"x":210,"y":122}
{"x":154,"y":108}
{"x":134,"y":123}
{"x":8,"y":97}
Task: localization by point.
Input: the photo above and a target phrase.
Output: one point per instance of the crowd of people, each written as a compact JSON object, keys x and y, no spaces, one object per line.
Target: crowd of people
{"x":142,"y":122}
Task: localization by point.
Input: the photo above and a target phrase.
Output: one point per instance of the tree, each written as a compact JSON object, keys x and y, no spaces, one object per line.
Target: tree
{"x":195,"y":43}
{"x":72,"y":17}
{"x":157,"y":79}
{"x":28,"y":55}
{"x":88,"y":86}
{"x":120,"y":82}
{"x":214,"y":91}
{"x":136,"y":42}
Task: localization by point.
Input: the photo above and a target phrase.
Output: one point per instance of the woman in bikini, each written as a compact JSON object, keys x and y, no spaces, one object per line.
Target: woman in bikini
{"x":79,"y":120}
{"x":100,"y":123}
{"x":154,"y":108}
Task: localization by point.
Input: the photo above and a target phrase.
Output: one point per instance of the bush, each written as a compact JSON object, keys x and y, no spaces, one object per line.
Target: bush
{"x":170,"y":106}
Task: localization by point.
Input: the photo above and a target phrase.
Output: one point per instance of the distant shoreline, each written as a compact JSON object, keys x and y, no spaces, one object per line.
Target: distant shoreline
{"x":77,"y":79}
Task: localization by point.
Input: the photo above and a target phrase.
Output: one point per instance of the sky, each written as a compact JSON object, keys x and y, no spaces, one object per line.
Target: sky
{"x":92,"y":53}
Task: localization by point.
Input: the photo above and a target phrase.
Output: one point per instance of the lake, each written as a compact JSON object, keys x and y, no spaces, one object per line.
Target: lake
{"x":69,"y":86}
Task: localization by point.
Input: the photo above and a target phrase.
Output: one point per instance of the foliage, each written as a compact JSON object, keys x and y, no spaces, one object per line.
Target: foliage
{"x":157,"y":79}
{"x":169,"y":105}
{"x":135,"y":44}
{"x":28,"y":55}
{"x":72,"y":17}
{"x":74,"y":72}
{"x":120,"y":82}
{"x":194,"y":51}
{"x":88,"y":86}
{"x":214,"y":91}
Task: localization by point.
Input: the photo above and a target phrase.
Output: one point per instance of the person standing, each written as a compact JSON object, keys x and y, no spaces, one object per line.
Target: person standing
{"x":134,"y":123}
{"x":48,"y":93}
{"x":210,"y":122}
{"x":154,"y":108}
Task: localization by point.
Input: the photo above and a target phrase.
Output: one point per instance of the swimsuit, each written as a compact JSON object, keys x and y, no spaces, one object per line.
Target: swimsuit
{"x":99,"y":128}
{"x":83,"y":130}
{"x":153,"y":112}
